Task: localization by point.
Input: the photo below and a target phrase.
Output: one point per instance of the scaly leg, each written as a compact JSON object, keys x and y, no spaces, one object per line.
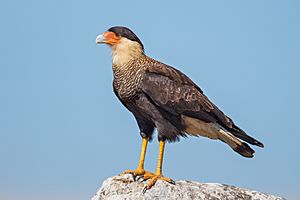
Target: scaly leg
{"x":139,"y":171}
{"x":158,"y":174}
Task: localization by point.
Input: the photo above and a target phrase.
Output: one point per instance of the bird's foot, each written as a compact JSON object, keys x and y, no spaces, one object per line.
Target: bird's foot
{"x":153,"y":178}
{"x":138,"y":172}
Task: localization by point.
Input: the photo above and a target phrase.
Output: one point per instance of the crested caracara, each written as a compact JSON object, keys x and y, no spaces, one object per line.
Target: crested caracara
{"x":163,"y":98}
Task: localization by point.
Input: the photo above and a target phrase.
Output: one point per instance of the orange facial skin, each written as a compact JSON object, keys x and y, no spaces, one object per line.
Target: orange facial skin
{"x":111,"y":38}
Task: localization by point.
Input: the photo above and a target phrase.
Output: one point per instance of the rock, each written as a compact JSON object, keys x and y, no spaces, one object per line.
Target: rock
{"x":123,"y":187}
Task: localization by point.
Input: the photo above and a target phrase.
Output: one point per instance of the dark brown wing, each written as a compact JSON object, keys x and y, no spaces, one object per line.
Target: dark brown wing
{"x":175,"y":92}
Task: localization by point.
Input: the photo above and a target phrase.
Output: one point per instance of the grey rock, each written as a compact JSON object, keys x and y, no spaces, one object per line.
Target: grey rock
{"x":123,"y":187}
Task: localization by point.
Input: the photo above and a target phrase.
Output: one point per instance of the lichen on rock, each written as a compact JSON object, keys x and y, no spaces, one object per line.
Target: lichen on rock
{"x":123,"y":187}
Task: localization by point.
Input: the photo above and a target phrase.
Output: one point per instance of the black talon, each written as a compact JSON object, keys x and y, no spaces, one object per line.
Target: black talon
{"x":140,"y":177}
{"x":173,"y":182}
{"x":144,"y":189}
{"x":133,"y":176}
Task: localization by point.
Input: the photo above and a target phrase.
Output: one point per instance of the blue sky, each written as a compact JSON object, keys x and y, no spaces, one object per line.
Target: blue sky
{"x":62,"y":130}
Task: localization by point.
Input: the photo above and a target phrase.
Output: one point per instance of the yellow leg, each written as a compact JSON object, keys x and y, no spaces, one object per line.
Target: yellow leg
{"x":158,"y":173}
{"x":139,"y":171}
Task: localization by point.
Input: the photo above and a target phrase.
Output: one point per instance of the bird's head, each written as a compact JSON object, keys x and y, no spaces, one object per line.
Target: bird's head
{"x":124,"y":43}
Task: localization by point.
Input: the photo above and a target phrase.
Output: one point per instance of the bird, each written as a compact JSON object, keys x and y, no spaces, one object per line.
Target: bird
{"x":164,"y":99}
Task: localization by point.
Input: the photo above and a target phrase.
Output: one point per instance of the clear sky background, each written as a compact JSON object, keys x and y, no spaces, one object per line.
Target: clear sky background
{"x":62,"y":130}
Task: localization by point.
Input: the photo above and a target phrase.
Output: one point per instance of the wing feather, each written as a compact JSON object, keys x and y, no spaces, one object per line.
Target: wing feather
{"x":175,"y":92}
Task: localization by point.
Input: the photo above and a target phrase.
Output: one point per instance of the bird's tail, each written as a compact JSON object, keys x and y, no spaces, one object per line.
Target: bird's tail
{"x":237,"y":145}
{"x":237,"y":132}
{"x":196,"y":127}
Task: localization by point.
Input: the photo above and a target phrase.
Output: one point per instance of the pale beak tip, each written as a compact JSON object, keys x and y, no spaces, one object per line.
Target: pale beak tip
{"x":100,"y":39}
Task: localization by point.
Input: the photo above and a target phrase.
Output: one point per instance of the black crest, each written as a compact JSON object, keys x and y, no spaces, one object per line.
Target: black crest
{"x":127,"y":33}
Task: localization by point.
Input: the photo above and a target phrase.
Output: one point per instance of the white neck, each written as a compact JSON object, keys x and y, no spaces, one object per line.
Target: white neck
{"x":125,"y":51}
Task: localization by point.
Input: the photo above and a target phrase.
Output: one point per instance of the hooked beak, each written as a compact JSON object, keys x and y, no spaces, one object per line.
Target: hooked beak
{"x":100,"y":39}
{"x":108,"y":37}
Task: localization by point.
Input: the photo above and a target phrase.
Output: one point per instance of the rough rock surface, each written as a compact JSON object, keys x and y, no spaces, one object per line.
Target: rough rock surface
{"x":123,"y":187}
